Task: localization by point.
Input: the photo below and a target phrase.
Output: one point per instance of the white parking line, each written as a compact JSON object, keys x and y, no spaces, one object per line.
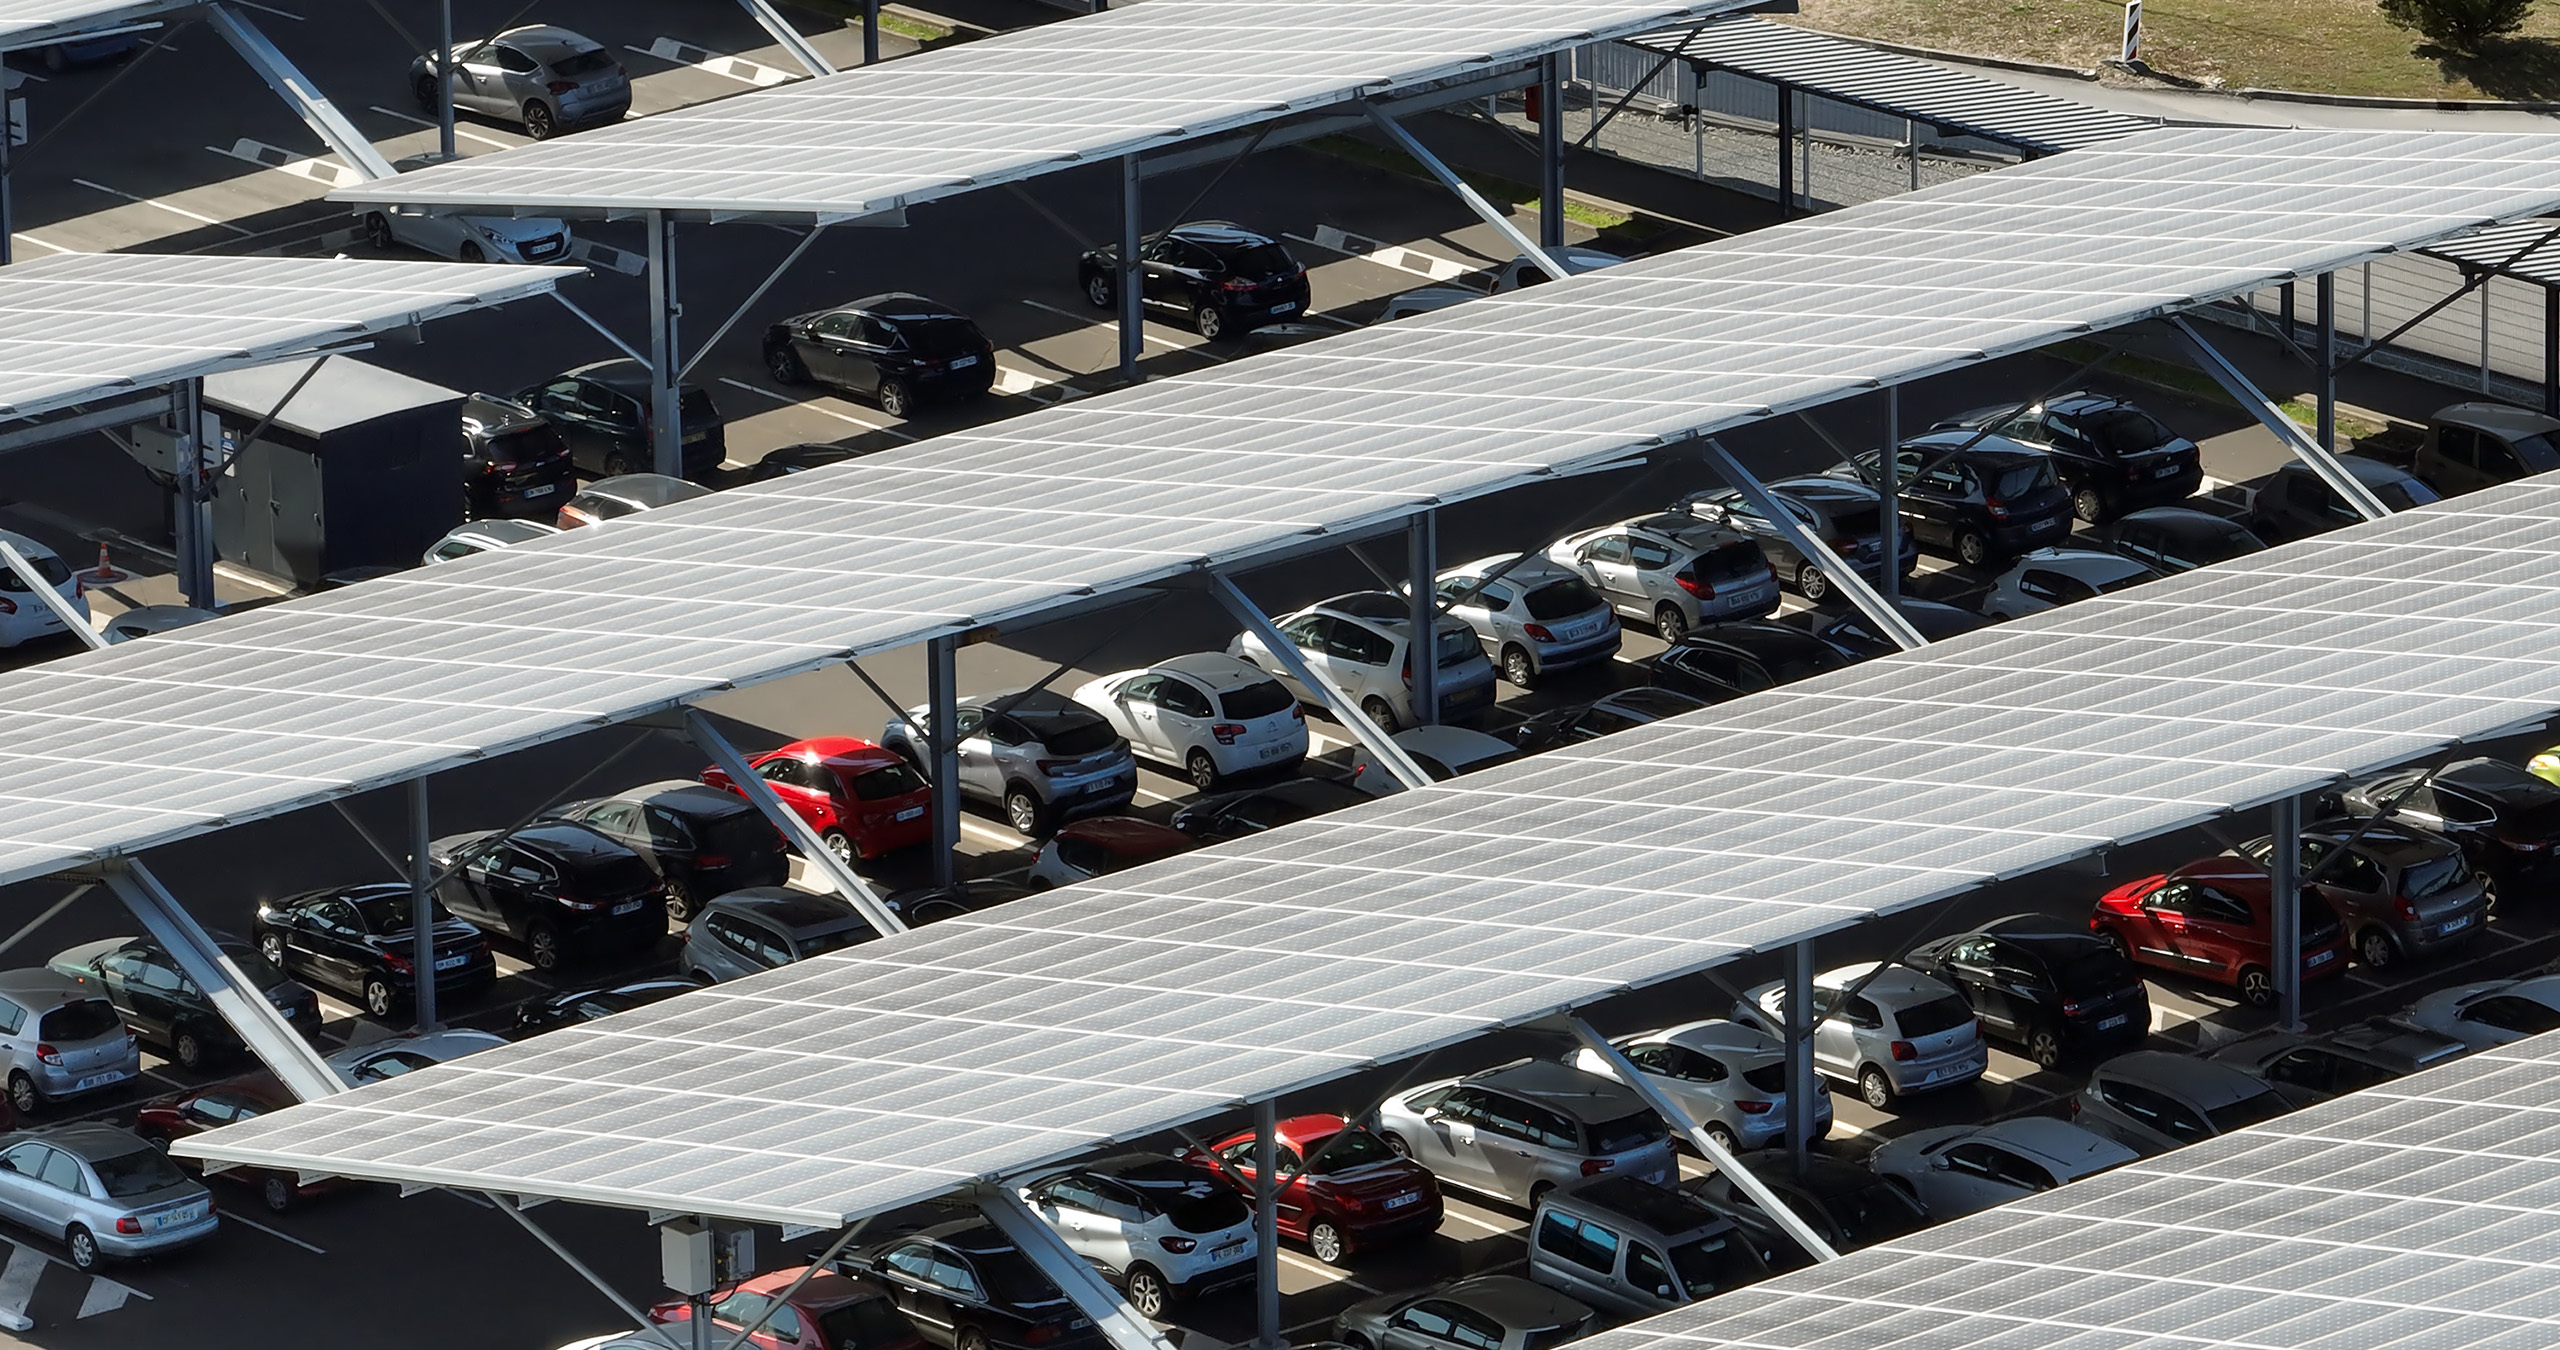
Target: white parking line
{"x":1452,"y":1212}
{"x":1143,"y":334}
{"x":270,"y":9}
{"x":1152,"y":798}
{"x":989,"y":834}
{"x":265,"y":156}
{"x":1402,"y":258}
{"x":230,"y":1216}
{"x":812,"y":407}
{"x":39,"y":243}
{"x":18,"y":1279}
{"x":164,"y":206}
{"x":460,"y":133}
{"x":1331,"y":1273}
{"x":737,"y":68}
{"x":1037,"y":388}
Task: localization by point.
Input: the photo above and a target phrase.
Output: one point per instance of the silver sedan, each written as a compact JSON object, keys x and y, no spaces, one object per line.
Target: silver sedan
{"x":103,"y":1192}
{"x":539,"y":76}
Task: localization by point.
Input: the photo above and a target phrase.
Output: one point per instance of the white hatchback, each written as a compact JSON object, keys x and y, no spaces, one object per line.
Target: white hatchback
{"x":377,"y":1060}
{"x":23,"y":614}
{"x":1730,"y":1078}
{"x":1162,"y":1229}
{"x":1213,"y":714}
{"x":1357,"y":642}
{"x":2049,"y":578}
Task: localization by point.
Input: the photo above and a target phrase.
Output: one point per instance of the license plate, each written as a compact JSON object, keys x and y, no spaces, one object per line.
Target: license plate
{"x":909,"y":814}
{"x":2111,"y":1023}
{"x":2166,"y":471}
{"x":694,"y":437}
{"x":1400,"y":1201}
{"x":2455,"y":925}
{"x":454,"y":962}
{"x":2319,"y":958}
{"x":1229,"y":1250}
{"x":100,"y":1080}
{"x":1271,"y":751}
{"x":178,"y":1218}
{"x":542,"y":491}
{"x":963,"y":362}
{"x":627,"y":907}
{"x":2053,"y":526}
{"x":1285,"y":307}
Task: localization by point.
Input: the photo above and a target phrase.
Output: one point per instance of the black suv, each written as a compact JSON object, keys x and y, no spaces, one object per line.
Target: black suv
{"x":602,"y":410}
{"x":1224,"y":279}
{"x":1728,"y":660}
{"x":898,"y":350}
{"x":1850,"y":1206}
{"x":553,"y":886}
{"x":964,"y":1284}
{"x":2507,"y":820}
{"x":514,"y":462}
{"x":1974,"y":498}
{"x":2040,"y":984}
{"x":703,"y":841}
{"x":358,"y":940}
{"x":2111,"y":456}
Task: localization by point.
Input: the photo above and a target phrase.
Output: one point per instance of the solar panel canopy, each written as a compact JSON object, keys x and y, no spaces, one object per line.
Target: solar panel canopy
{"x":80,"y":326}
{"x":111,"y":752}
{"x":27,"y":23}
{"x":2528,"y":250}
{"x":1040,"y":1030}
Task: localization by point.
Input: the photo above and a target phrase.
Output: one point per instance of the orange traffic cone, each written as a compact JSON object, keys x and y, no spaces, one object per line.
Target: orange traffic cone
{"x":104,"y":574}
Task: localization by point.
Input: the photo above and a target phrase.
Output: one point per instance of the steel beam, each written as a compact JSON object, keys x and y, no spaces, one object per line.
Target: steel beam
{"x":1499,"y":219}
{"x":299,"y":93}
{"x":2284,"y":888}
{"x":942,"y":741}
{"x":52,"y":599}
{"x":193,"y":503}
{"x":799,"y":47}
{"x":243,"y":1005}
{"x":1887,"y":618}
{"x":2551,"y":351}
{"x":666,"y":414}
{"x":870,"y":32}
{"x":1786,"y":149}
{"x":1799,"y":1037}
{"x":422,"y":906}
{"x":1390,"y":755}
{"x":1550,"y":157}
{"x":1669,"y":1108}
{"x":1075,"y":1277}
{"x":749,"y":303}
{"x":1889,"y":520}
{"x":1266,"y":1226}
{"x":1422,"y":562}
{"x":750,"y":783}
{"x":444,"y":75}
{"x":2316,"y":457}
{"x":2324,"y":308}
{"x":1130,"y":286}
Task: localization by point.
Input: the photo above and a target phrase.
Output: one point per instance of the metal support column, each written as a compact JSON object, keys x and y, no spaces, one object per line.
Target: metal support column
{"x":1422,"y":555}
{"x":1786,"y":149}
{"x":299,"y":93}
{"x":870,"y":32}
{"x":1888,"y":619}
{"x":789,"y":37}
{"x":2550,"y":350}
{"x":1121,"y":1324}
{"x":2316,"y":457}
{"x":855,"y":891}
{"x":1550,"y":151}
{"x":8,"y":144}
{"x":666,"y":417}
{"x":242,"y":1003}
{"x":1390,"y":755}
{"x":1266,"y":1226}
{"x":1889,"y":519}
{"x":942,"y":737}
{"x":422,"y":895}
{"x":1800,"y":1070}
{"x":32,"y":582}
{"x":2284,"y":872}
{"x":1131,"y":282}
{"x":1486,"y":211}
{"x":444,"y":79}
{"x":2324,"y":354}
{"x":191,"y":495}
{"x":2284,"y":313}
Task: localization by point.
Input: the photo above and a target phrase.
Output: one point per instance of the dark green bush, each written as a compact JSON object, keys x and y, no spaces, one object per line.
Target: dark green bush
{"x":2462,"y":25}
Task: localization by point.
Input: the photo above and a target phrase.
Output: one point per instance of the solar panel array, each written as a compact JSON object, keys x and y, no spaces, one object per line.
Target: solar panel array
{"x":2528,"y":250}
{"x":294,"y":704}
{"x":2415,"y":1216}
{"x":1021,"y":104}
{"x":1052,"y":1026}
{"x":28,"y":22}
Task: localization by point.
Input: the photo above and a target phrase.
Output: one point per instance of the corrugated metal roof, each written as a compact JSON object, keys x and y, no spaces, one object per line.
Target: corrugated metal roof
{"x":2528,"y":250}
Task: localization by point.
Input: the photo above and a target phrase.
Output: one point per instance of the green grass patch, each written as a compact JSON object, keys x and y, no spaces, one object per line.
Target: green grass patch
{"x":2350,"y":427}
{"x":1614,"y":226}
{"x":2159,"y":374}
{"x":914,"y":29}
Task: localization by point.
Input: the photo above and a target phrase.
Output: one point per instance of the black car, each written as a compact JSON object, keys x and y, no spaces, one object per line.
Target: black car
{"x":602,"y":410}
{"x":964,"y":1284}
{"x":161,"y":1004}
{"x":1974,"y":498}
{"x":537,"y":1016}
{"x":2294,"y":503}
{"x":554,"y":886}
{"x":791,"y":459}
{"x":701,"y":841}
{"x":1224,"y":279}
{"x":358,"y":940}
{"x":1848,"y":1205}
{"x":1729,"y":660}
{"x":2172,"y":539}
{"x":1590,"y":721}
{"x":1856,"y":636}
{"x":898,"y":350}
{"x":2111,"y":456}
{"x":2506,"y":819}
{"x":2041,"y":984}
{"x":1236,"y":815}
{"x":514,"y":462}
{"x":1848,"y":516}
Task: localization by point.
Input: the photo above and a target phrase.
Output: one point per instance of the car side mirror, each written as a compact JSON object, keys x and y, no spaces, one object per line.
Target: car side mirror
{"x":7,"y":1165}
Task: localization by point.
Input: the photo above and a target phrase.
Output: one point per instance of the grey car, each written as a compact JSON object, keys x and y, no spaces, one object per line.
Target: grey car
{"x":1522,"y":1130}
{"x":1038,"y":757}
{"x":1845,"y":515}
{"x":60,"y":1037}
{"x":2400,"y":890}
{"x":1480,"y":1312}
{"x":102,"y":1192}
{"x":1730,"y":1078}
{"x":752,"y":931}
{"x":1533,"y":618}
{"x":1674,"y":571}
{"x":541,"y":77}
{"x":2152,"y":1101}
{"x":2309,"y":1069}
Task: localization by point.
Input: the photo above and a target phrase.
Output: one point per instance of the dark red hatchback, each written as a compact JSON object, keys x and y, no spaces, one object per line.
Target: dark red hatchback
{"x":1342,"y":1189}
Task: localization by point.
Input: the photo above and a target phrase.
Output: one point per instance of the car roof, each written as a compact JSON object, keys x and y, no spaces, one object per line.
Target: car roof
{"x":493,"y":412}
{"x":40,"y":988}
{"x":1515,"y":1302}
{"x":1819,"y":491}
{"x":2182,"y":518}
{"x":1322,"y":793}
{"x":1450,"y":745}
{"x":2056,"y":1141}
{"x":33,"y":551}
{"x":1655,"y":703}
{"x":1534,"y":570}
{"x":1683,"y":529}
{"x":1141,"y":1167}
{"x":1034,"y":703}
{"x":1751,"y":636}
{"x":905,"y":305}
{"x":1717,"y":1033}
{"x":1126,"y":835}
{"x":1586,"y":1097}
{"x":794,"y":910}
{"x":1893,"y":987}
{"x":2083,"y":402}
{"x":1373,"y":606}
{"x":503,"y":532}
{"x":568,"y":839}
{"x":1219,"y":235}
{"x":2200,"y":1082}
{"x":2494,"y":776}
{"x":2394,"y":1039}
{"x":1660,"y":1208}
{"x":1996,"y":448}
{"x":968,"y":1235}
{"x":2388,"y":840}
{"x":87,"y":1139}
{"x":2241,"y":876}
{"x":1221,"y":672}
{"x":686,"y":797}
{"x":2367,"y":470}
{"x":646,"y":489}
{"x":550,"y":35}
{"x":2504,"y":419}
{"x":844,"y":749}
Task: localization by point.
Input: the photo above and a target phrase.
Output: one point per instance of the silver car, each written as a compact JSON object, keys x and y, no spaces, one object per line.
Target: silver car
{"x":1903,"y":1033}
{"x":1537,"y":616}
{"x":1730,"y":1078}
{"x":1673,"y":571}
{"x":2152,"y":1101}
{"x":1040,"y":758}
{"x":60,"y":1037}
{"x":1479,"y":1312}
{"x":752,"y":931}
{"x":1357,"y":643}
{"x":102,"y":1192}
{"x":374,"y":1061}
{"x":1955,"y":1170}
{"x":2499,"y":1012}
{"x":1521,"y":1130}
{"x":539,"y":76}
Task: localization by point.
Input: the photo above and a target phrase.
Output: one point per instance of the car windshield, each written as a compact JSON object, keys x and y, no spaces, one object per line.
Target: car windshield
{"x":140,"y":1172}
{"x":53,"y":568}
{"x":2127,"y":431}
{"x":2434,"y":876}
{"x":389,"y":913}
{"x":2537,"y":450}
{"x":867,"y":1324}
{"x":2401,"y":494}
{"x":2019,"y":480}
{"x":529,"y":443}
{"x":1256,"y":700}
{"x":1345,"y":1149}
{"x":81,"y":1020}
{"x":1260,"y":260}
{"x":1628,"y":1132}
{"x":582,"y":63}
{"x":889,"y":780}
{"x":833,"y":940}
{"x":951,"y":336}
{"x":1709,"y":1266}
{"x":1562,"y":599}
{"x":1934,"y":1016}
{"x":2247,"y":1111}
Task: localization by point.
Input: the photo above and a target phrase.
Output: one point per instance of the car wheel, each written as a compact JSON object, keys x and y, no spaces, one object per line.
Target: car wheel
{"x":1721,"y":1137}
{"x":538,"y":121}
{"x":377,"y":230}
{"x":2257,"y":988}
{"x":1325,"y":1240}
{"x":2044,"y":1046}
{"x":1202,"y":769}
{"x":1147,"y":1292}
{"x":2116,"y":943}
{"x":785,"y":365}
{"x":1210,"y":322}
{"x":1098,"y":290}
{"x":1540,"y":1192}
{"x":83,"y":1248}
{"x":679,"y":899}
{"x":2089,"y":504}
{"x":1022,"y":811}
{"x":542,"y":946}
{"x":188,"y":1048}
{"x":378,"y":999}
{"x":2377,"y":948}
{"x":1377,"y":710}
{"x":839,"y":844}
{"x":277,"y":1192}
{"x":271,"y":946}
{"x":23,"y":1097}
{"x":425,"y":88}
{"x":971,"y":1338}
{"x":1355,"y":1340}
{"x":1518,"y":668}
{"x":1396,"y":1144}
{"x":1874,"y":1088}
{"x":897,"y":400}
{"x":1812,"y":584}
{"x":1972,"y":549}
{"x":470,"y":253}
{"x":616,"y":464}
{"x":1671,"y":622}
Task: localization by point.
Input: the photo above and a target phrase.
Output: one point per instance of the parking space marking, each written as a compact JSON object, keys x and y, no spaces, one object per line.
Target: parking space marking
{"x":989,"y":834}
{"x":234,"y":1216}
{"x":736,"y":68}
{"x":1487,"y":1225}
{"x":788,"y":400}
{"x":270,"y":9}
{"x":324,"y":171}
{"x":105,"y":1296}
{"x":460,"y":132}
{"x":164,"y":206}
{"x":1403,"y":258}
{"x":39,"y":243}
{"x":1030,"y":386}
{"x":1143,"y":335}
{"x":18,"y":1279}
{"x":1331,"y":1274}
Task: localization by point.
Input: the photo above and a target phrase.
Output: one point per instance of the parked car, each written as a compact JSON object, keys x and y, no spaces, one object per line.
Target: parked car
{"x":1856,"y":636}
{"x":899,"y":350}
{"x":2050,"y":578}
{"x":1152,"y":1225}
{"x":2308,"y":1069}
{"x":2111,"y":456}
{"x":358,"y":939}
{"x":101,"y":1192}
{"x":1211,"y":714}
{"x":2152,"y":1101}
{"x":1038,"y":757}
{"x":1535,"y":618}
{"x":1520,"y":1130}
{"x":143,"y":621}
{"x":2505,"y":818}
{"x":700,"y":839}
{"x":60,"y":1038}
{"x":1673,"y":571}
{"x":2213,"y":919}
{"x":1478,"y":1312}
{"x":2401,"y":891}
{"x":558,"y":887}
{"x":2174,"y":539}
{"x":469,"y":239}
{"x":182,"y":1114}
{"x":581,"y":1006}
{"x":2470,"y":446}
{"x":919,"y":905}
{"x":2497,"y":1012}
{"x":2295,"y":504}
{"x":374,"y":1061}
{"x":788,"y":460}
{"x":515,"y":463}
{"x":1241,"y":815}
{"x":1100,"y":845}
{"x":160,"y":1002}
{"x":1358,"y":642}
{"x":863,"y":801}
{"x":22,"y":614}
{"x":1730,"y":1078}
{"x":485,"y":536}
{"x":752,"y":931}
{"x":1955,"y":1170}
{"x":1977,"y":499}
{"x":1901,"y":1033}
{"x":827,"y":1311}
{"x":1849,"y":1206}
{"x":603,"y":411}
{"x":625,"y":495}
{"x":1341,"y":1190}
{"x":965,"y":1286}
{"x":1848,"y":516}
{"x":2042,"y":985}
{"x":1224,"y":279}
{"x":1442,"y":753}
{"x":1635,"y":1249}
{"x":1577,"y":723}
{"x":540,"y":77}
{"x":1729,"y":660}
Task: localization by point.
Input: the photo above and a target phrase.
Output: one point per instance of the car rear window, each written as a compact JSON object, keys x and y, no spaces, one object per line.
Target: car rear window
{"x":2434,"y":876}
{"x":2094,"y":971}
{"x":941,"y":337}
{"x":617,"y":875}
{"x":1069,"y":734}
{"x":529,"y":443}
{"x":1875,"y":1214}
{"x":2023,"y":479}
{"x":2127,"y":431}
{"x":582,"y":63}
{"x":137,"y":1173}
{"x":597,"y":506}
{"x":1552,"y":1337}
{"x":2404,"y":493}
{"x":1261,"y":260}
{"x":695,"y":406}
{"x":832,"y":940}
{"x":885,"y":782}
{"x":1767,"y":1078}
{"x":1255,"y":700}
{"x":1346,"y":1149}
{"x":82,"y":1020}
{"x":1934,"y":1016}
{"x":1206,"y":1209}
{"x":743,"y":835}
{"x":864,"y":1325}
{"x":1628,"y":1132}
{"x":1858,"y":524}
{"x":1730,"y":562}
{"x":1562,"y":599}
{"x":2247,"y":1111}
{"x":54,"y":569}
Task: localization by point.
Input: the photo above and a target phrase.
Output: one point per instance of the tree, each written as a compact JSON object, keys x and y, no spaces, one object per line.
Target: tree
{"x":2461,"y":25}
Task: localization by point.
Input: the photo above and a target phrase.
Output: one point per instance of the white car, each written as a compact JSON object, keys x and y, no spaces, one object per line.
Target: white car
{"x":1442,"y":752}
{"x":2499,"y":1012}
{"x":486,"y":536}
{"x":1213,"y":714}
{"x":1357,"y":642}
{"x":145,"y":620}
{"x":22,"y":614}
{"x":1903,"y":1033}
{"x":1535,"y":617}
{"x":471,"y":239}
{"x":374,"y":1061}
{"x":1730,"y":1078}
{"x":2052,"y":577}
{"x":1510,"y":276}
{"x":1956,"y":1170}
{"x":1673,"y":570}
{"x":1162,"y":1229}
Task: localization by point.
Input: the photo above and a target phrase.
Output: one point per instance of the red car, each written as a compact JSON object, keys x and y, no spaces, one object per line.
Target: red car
{"x":216,"y":1105}
{"x":1361,"y":1195}
{"x":830,"y":1312}
{"x":2211,"y":918}
{"x":862,"y":800}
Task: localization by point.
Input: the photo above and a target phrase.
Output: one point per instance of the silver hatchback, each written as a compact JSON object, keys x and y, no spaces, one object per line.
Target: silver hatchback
{"x":102,"y":1192}
{"x":1522,"y":1130}
{"x":1673,"y":571}
{"x":60,"y":1037}
{"x":1537,"y":616}
{"x":1039,"y":757}
{"x":539,"y":76}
